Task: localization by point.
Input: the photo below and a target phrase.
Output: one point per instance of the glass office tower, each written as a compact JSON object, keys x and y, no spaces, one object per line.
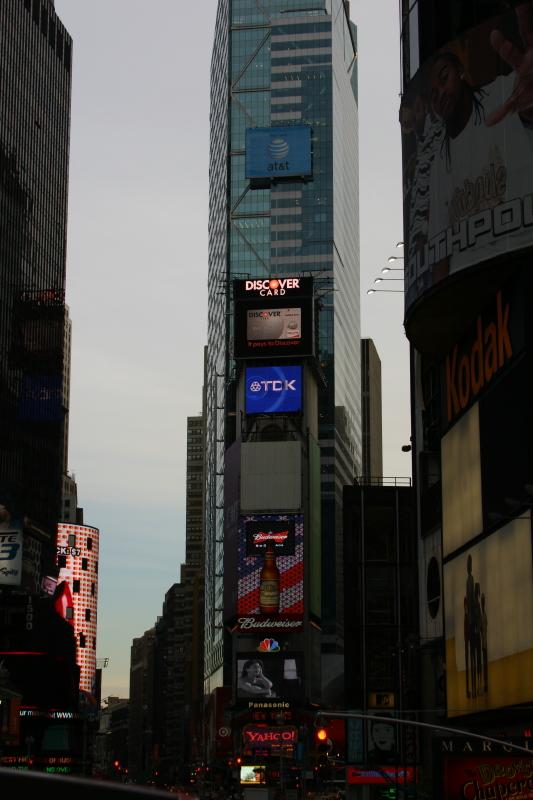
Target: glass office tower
{"x":35,"y":65}
{"x":282,"y":63}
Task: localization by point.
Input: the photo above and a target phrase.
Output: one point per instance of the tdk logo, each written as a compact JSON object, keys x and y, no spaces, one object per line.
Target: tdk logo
{"x":273,"y":390}
{"x":273,"y":386}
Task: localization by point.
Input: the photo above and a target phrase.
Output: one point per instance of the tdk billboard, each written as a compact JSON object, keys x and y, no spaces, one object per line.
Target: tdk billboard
{"x":273,"y":390}
{"x":278,"y":152}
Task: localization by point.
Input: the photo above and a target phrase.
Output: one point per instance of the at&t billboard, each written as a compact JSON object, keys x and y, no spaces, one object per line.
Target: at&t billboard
{"x":278,"y":152}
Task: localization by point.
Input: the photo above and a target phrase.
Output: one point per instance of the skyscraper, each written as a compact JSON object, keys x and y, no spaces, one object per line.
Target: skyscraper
{"x":35,"y":58}
{"x":286,"y":65}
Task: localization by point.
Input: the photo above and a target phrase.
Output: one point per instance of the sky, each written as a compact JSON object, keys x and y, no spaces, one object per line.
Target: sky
{"x":137,"y":278}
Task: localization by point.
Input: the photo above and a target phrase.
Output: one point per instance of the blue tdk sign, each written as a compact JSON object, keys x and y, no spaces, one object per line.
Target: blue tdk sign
{"x":278,"y":152}
{"x":273,"y":390}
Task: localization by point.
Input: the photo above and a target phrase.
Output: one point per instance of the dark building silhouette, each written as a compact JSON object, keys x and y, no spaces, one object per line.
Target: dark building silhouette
{"x":467,"y":318}
{"x":34,"y":151}
{"x":143,"y":713}
{"x":371,"y":418}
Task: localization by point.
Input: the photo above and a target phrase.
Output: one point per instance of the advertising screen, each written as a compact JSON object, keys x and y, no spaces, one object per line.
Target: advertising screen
{"x":505,"y":776}
{"x":278,"y":152}
{"x":270,"y":588}
{"x":263,"y":324}
{"x":274,"y":318}
{"x":268,"y":674}
{"x":273,"y":390}
{"x":467,"y":138}
{"x":489,"y":630}
{"x":10,"y":557}
{"x":253,"y":773}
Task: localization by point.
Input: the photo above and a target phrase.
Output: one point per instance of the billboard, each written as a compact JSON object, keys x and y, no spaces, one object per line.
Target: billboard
{"x":274,"y":318}
{"x":270,"y":573}
{"x":488,"y":627}
{"x":10,"y":557}
{"x":489,"y":776}
{"x":278,"y":152}
{"x":273,"y":390}
{"x":269,"y":674}
{"x":467,"y":138}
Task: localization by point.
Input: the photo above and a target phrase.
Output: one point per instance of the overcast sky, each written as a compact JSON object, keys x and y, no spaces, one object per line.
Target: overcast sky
{"x":137,"y":278}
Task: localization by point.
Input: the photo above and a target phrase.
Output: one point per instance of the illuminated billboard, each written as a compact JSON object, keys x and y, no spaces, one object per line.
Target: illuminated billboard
{"x":273,"y":390}
{"x":271,"y":674}
{"x":253,"y":773}
{"x":76,"y":593}
{"x":10,"y":556}
{"x":467,"y":135}
{"x":270,"y":573}
{"x":274,"y":318}
{"x":489,"y":776}
{"x":278,"y":152}
{"x":489,"y":630}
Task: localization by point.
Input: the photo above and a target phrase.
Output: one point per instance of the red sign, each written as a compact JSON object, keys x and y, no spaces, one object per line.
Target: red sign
{"x":359,"y":775}
{"x":255,"y":735}
{"x":476,"y":778}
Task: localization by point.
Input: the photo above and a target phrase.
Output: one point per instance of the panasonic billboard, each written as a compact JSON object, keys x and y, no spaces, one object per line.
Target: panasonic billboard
{"x":273,"y":390}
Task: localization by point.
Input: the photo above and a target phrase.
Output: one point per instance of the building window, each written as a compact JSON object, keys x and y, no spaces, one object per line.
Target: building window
{"x":83,"y":640}
{"x":93,"y":589}
{"x":87,"y":614}
{"x":69,"y":612}
{"x":96,"y":567}
{"x":76,"y":586}
{"x":61,"y":561}
{"x":72,"y":540}
{"x":85,"y":563}
{"x":89,"y":543}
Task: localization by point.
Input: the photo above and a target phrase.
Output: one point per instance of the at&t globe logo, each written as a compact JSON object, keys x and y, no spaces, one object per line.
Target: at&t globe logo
{"x":279,"y":150}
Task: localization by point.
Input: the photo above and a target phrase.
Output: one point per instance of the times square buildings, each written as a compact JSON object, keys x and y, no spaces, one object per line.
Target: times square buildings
{"x":283,"y":101}
{"x":466,"y":125}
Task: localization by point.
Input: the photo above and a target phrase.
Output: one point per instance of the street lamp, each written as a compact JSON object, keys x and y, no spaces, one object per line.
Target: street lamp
{"x":392,"y":269}
{"x":373,"y":291}
{"x":395,"y":258}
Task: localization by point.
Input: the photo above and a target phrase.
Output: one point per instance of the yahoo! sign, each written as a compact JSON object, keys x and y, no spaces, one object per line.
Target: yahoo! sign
{"x":273,"y":390}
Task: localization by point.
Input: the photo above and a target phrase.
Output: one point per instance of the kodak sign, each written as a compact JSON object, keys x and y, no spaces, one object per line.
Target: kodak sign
{"x":468,"y":372}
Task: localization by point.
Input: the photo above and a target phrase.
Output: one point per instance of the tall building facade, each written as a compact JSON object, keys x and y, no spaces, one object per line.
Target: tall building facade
{"x":468,"y":168}
{"x":34,"y":151}
{"x":279,"y":65}
{"x":372,"y":439}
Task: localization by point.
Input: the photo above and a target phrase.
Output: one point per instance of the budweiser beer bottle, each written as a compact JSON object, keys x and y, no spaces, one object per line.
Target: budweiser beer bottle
{"x":269,"y":585}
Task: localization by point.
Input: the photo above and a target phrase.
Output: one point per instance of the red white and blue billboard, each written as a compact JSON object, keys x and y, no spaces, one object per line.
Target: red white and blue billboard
{"x":273,"y":390}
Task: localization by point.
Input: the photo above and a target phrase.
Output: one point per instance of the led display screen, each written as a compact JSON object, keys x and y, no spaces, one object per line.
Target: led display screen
{"x":273,"y":390}
{"x":278,"y":152}
{"x":267,"y":674}
{"x":265,"y":324}
{"x":504,"y":776}
{"x":489,"y":630}
{"x":467,"y":132}
{"x":252,"y":774}
{"x":10,"y":557}
{"x":270,"y":572}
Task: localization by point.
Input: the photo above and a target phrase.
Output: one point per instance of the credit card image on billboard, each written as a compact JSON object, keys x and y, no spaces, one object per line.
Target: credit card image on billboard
{"x":271,"y":390}
{"x":264,"y":324}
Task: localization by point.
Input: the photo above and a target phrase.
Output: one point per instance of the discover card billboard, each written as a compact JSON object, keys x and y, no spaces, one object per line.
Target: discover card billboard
{"x":467,"y":136}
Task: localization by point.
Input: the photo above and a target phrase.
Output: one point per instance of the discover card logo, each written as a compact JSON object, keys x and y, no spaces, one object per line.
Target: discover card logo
{"x":273,"y":390}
